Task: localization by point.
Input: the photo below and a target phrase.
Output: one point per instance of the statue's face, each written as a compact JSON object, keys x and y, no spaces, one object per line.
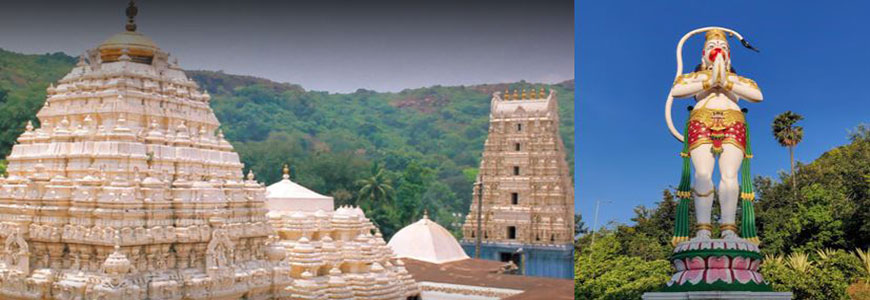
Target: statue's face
{"x":714,"y":49}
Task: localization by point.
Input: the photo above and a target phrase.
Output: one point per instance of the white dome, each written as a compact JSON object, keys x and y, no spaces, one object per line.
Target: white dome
{"x":426,"y":241}
{"x":286,"y":195}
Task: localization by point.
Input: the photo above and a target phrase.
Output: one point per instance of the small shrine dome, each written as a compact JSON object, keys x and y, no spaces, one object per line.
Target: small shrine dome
{"x":138,"y":47}
{"x":426,"y":241}
{"x":286,"y":196}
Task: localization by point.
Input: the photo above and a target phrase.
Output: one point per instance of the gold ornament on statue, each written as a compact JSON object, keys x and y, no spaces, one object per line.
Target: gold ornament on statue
{"x":716,"y":34}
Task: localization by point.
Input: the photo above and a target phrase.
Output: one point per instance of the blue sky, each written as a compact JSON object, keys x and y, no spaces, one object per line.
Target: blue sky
{"x":814,"y":60}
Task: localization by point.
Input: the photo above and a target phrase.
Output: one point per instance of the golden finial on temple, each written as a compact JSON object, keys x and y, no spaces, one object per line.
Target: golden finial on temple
{"x":507,"y":94}
{"x":524,"y":94}
{"x":542,"y":94}
{"x":132,"y":11}
{"x":516,"y":95}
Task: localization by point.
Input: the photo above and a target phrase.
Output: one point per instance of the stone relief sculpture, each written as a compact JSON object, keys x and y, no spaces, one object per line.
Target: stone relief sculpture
{"x":17,"y":252}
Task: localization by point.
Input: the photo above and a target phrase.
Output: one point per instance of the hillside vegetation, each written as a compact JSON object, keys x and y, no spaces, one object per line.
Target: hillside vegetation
{"x":421,"y":146}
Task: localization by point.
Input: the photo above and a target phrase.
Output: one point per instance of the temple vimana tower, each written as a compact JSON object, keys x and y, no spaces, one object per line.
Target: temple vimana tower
{"x":527,"y":192}
{"x":128,"y":190}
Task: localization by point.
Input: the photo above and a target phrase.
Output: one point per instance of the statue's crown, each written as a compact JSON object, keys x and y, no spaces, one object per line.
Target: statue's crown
{"x":716,"y":34}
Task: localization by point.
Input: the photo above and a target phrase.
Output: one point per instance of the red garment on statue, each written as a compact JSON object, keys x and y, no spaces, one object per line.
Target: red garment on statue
{"x":717,"y":127}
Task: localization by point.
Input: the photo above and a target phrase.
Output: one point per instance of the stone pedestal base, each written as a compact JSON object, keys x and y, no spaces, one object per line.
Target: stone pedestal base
{"x":718,"y":295}
{"x":716,"y":265}
{"x":716,"y":269}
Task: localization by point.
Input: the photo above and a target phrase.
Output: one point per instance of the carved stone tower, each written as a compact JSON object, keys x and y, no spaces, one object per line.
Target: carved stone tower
{"x":128,"y":190}
{"x":528,"y":194}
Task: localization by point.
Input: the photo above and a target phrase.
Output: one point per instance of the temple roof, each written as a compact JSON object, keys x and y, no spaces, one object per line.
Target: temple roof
{"x":427,"y":241}
{"x":136,"y":46}
{"x":487,"y":274}
{"x":128,"y":39}
{"x":286,"y":189}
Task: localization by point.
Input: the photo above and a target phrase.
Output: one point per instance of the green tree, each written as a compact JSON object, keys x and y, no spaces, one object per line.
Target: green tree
{"x":376,"y":188}
{"x":788,"y":135}
{"x":409,"y":195}
{"x":579,"y":226}
{"x":601,"y":272}
{"x":831,"y":213}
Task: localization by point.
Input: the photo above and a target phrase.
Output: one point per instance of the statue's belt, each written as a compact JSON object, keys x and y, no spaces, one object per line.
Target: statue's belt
{"x":717,"y":127}
{"x":717,"y":119}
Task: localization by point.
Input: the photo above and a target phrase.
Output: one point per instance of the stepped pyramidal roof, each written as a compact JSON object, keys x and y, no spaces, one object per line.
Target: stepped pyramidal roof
{"x":127,"y":189}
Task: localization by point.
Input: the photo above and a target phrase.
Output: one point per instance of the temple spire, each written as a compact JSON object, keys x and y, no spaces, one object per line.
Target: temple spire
{"x":132,"y":10}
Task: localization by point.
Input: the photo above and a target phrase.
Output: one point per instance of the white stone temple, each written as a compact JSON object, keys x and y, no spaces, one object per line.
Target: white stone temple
{"x":333,"y":254}
{"x":286,"y":195}
{"x":443,"y":271}
{"x":426,"y":240}
{"x":128,"y":190}
{"x":526,"y":208}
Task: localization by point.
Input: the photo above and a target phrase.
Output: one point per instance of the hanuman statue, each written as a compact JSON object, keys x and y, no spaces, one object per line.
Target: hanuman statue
{"x":716,"y":130}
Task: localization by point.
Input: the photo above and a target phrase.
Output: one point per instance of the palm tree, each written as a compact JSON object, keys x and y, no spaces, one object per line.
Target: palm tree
{"x":579,"y":226}
{"x":375,"y":188}
{"x":788,"y":135}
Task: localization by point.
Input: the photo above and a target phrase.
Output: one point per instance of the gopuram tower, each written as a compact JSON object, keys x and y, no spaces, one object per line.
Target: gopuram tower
{"x":524,"y":188}
{"x":128,"y":190}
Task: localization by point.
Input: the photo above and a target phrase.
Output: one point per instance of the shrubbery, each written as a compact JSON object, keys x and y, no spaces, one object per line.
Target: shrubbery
{"x":812,"y":239}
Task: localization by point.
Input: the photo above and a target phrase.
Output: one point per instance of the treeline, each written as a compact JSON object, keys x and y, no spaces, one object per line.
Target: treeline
{"x":421,"y":147}
{"x":815,"y":238}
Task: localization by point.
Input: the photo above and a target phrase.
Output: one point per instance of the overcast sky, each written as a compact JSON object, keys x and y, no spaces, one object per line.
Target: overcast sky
{"x":337,"y":46}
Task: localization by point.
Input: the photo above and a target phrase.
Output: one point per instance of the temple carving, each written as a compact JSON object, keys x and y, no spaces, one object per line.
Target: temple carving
{"x":528,"y":194}
{"x":127,"y":189}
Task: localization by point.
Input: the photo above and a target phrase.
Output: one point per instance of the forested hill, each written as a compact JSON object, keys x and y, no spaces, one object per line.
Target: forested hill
{"x":422,"y":145}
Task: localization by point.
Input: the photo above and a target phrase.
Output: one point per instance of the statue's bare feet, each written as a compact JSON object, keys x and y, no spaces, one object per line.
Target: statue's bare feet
{"x":702,"y":234}
{"x":729,"y":235}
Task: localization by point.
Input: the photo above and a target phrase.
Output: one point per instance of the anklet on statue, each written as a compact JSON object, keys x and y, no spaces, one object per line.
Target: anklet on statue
{"x":704,"y":226}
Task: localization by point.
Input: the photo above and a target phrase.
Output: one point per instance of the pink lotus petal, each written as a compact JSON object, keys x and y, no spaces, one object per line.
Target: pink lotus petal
{"x":675,"y":278}
{"x":680,"y":265}
{"x":743,"y":276}
{"x":754,"y":265}
{"x":695,"y":263}
{"x":693,"y":276}
{"x":718,"y":262}
{"x":718,"y":274}
{"x":758,"y":278}
{"x":740,"y":263}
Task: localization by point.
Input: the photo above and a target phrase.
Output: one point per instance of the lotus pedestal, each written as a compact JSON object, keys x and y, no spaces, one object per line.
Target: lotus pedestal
{"x":717,"y":269}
